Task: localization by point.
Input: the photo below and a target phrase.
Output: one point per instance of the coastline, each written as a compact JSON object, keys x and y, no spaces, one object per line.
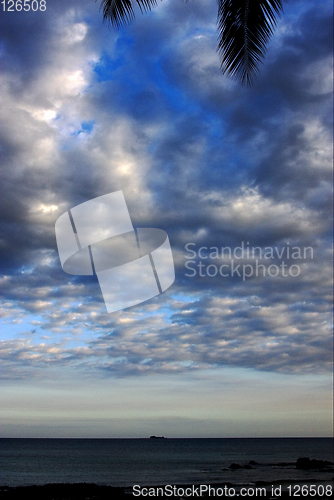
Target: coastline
{"x":274,"y":490}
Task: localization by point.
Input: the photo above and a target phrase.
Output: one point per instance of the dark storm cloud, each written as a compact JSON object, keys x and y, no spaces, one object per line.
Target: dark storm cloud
{"x":147,"y":110}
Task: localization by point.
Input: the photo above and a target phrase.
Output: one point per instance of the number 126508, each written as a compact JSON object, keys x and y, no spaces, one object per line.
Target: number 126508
{"x":18,"y":5}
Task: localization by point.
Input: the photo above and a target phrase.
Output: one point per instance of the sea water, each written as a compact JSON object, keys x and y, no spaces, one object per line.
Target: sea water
{"x":126,"y":462}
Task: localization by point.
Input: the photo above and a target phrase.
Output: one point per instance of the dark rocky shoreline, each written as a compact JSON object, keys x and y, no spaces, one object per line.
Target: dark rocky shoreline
{"x":87,"y":491}
{"x":63,"y":491}
{"x":303,"y":463}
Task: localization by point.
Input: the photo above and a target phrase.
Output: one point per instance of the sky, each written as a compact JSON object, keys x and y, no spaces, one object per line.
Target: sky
{"x":239,"y":178}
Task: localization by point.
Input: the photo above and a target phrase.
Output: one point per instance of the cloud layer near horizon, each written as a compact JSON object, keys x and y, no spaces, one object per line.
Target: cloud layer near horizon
{"x":87,"y":111}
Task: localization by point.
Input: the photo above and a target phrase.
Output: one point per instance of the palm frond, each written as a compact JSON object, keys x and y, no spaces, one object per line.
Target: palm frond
{"x":244,"y":29}
{"x":120,"y":12}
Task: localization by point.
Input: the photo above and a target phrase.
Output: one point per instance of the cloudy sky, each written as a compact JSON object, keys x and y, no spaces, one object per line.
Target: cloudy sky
{"x":225,"y":351}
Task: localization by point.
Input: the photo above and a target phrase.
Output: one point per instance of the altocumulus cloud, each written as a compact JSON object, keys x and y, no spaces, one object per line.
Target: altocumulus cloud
{"x":87,"y":111}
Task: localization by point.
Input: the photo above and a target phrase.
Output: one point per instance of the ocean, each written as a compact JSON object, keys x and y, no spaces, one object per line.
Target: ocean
{"x":128,"y":462}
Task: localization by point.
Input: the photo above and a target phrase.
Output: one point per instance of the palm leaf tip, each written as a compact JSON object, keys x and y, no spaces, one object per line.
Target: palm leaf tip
{"x":244,"y":29}
{"x":120,"y":12}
